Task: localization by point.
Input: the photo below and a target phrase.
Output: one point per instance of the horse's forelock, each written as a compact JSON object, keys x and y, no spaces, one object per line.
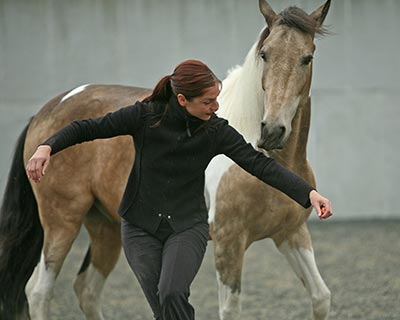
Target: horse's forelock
{"x":294,"y":17}
{"x":264,"y":35}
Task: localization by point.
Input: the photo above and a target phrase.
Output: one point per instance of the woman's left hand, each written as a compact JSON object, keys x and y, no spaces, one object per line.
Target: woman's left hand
{"x":321,"y":204}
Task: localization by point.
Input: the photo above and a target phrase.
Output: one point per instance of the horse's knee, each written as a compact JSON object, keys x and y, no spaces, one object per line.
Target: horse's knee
{"x":321,"y":304}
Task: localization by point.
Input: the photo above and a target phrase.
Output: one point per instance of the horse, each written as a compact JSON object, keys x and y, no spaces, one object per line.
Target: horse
{"x":84,"y":183}
{"x":267,"y":100}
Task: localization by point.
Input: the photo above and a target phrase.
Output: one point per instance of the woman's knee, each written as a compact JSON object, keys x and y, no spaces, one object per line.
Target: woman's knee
{"x":175,"y":305}
{"x":172,"y":297}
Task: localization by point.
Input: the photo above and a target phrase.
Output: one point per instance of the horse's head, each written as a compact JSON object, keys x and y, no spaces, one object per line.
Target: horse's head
{"x":285,"y":50}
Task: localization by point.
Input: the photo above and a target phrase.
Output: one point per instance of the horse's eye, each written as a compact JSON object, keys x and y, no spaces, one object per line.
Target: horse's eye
{"x":263,"y":55}
{"x":306,"y":60}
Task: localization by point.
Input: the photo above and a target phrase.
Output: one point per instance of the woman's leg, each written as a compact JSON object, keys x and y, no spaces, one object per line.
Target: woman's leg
{"x":144,"y":252}
{"x":181,"y":259}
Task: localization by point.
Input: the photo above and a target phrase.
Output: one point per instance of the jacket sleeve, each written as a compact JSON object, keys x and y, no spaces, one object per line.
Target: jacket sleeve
{"x":124,"y":121}
{"x":232,"y":144}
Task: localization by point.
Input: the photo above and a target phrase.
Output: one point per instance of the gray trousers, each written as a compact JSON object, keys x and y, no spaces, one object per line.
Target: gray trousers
{"x":165,"y":265}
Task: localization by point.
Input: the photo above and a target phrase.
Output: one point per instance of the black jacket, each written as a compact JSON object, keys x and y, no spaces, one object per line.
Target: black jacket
{"x":167,"y":179}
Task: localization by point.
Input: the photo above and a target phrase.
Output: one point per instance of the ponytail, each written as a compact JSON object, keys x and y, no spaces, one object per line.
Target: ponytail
{"x":190,"y":78}
{"x":161,"y":92}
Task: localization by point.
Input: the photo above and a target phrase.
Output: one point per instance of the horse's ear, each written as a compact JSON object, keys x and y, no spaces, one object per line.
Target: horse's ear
{"x":268,"y":13}
{"x":320,"y":14}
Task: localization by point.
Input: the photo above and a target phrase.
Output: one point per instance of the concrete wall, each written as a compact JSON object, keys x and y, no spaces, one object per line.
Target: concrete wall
{"x":47,"y":47}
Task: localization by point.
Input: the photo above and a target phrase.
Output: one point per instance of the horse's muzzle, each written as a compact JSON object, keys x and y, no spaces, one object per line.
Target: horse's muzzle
{"x":271,"y":139}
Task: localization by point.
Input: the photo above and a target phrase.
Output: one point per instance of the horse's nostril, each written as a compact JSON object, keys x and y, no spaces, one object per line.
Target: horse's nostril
{"x":262,"y":124}
{"x":283,"y":130}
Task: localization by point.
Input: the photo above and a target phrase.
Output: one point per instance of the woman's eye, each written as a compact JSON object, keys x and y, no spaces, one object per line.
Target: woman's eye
{"x":306,"y":60}
{"x":263,"y":55}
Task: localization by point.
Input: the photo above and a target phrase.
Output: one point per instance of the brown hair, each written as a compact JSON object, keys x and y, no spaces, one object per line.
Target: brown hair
{"x":190,"y":78}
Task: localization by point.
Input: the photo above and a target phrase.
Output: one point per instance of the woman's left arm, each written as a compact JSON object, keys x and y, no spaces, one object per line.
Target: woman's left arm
{"x":232,"y":144}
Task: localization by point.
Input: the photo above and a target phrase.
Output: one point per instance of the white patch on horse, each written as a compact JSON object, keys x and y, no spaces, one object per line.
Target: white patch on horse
{"x":89,"y":287}
{"x":74,"y":92}
{"x":242,"y":98}
{"x":303,"y":264}
{"x":40,"y":289}
{"x":229,"y":303}
{"x":214,"y":172}
{"x":241,"y":101}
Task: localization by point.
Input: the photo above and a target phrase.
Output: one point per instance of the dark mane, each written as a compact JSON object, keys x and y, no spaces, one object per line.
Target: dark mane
{"x":294,"y":17}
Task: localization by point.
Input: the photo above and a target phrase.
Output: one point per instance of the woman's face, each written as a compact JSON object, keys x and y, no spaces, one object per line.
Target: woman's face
{"x":203,"y":106}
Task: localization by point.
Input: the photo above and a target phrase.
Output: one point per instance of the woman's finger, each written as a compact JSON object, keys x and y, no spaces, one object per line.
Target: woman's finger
{"x":326,"y":210}
{"x":35,"y":172}
{"x":45,"y":165}
{"x":32,"y":170}
{"x":39,"y":169}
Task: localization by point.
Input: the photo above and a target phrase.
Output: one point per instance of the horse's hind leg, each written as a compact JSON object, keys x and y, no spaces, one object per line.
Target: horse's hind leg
{"x":100,"y":260}
{"x":60,"y":230}
{"x":297,"y":248}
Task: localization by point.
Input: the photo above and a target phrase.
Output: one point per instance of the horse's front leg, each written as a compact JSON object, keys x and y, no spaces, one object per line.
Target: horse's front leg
{"x":297,"y":248}
{"x":229,"y":253}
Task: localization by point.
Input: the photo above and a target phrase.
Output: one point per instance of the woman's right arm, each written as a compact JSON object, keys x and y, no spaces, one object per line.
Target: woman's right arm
{"x":124,"y":121}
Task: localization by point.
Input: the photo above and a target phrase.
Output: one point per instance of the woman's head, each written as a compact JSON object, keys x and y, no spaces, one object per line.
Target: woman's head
{"x":190,"y":78}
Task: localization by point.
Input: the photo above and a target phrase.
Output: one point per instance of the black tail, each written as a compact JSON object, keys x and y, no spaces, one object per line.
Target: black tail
{"x":21,"y":238}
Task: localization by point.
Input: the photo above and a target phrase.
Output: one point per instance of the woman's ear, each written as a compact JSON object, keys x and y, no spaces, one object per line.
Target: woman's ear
{"x":181,"y":99}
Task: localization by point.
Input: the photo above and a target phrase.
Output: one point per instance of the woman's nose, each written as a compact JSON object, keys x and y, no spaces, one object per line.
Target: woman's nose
{"x":215,"y":106}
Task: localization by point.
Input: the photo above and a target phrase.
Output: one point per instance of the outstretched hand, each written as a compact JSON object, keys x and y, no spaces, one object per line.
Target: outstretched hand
{"x":321,"y":205}
{"x":38,"y":163}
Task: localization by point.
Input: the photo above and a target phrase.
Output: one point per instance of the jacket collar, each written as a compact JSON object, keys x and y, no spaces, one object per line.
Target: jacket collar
{"x":178,"y":113}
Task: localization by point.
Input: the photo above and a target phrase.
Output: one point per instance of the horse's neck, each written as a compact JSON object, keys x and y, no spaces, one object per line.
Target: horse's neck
{"x":241,"y":98}
{"x":294,"y":154}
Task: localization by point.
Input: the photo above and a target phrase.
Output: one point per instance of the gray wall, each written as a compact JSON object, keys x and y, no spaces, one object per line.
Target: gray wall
{"x":47,"y":47}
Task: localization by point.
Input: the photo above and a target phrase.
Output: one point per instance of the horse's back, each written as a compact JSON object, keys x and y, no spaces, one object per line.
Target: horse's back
{"x":91,"y":171}
{"x":87,"y":101}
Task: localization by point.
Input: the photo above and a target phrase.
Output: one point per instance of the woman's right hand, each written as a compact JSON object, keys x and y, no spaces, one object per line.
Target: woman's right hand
{"x":38,"y":163}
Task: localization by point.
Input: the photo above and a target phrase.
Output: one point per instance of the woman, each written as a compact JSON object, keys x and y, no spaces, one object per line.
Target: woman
{"x":164,"y":216}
